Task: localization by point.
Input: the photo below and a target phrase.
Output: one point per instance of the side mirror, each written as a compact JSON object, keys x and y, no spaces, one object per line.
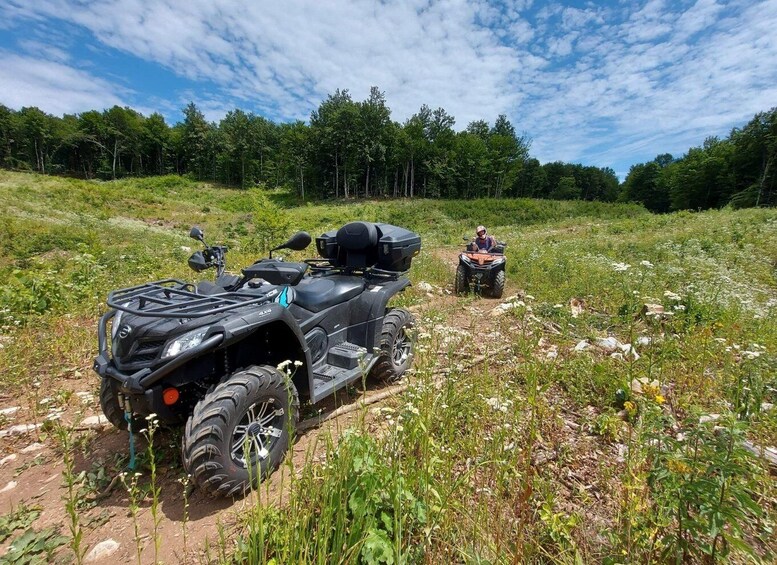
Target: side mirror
{"x":197,"y":233}
{"x":197,"y":261}
{"x":297,"y":242}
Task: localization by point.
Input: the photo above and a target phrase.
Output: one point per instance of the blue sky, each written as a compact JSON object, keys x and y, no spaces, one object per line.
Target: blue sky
{"x":605,"y":83}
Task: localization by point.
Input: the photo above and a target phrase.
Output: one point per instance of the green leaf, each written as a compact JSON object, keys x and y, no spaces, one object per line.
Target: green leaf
{"x":377,"y":548}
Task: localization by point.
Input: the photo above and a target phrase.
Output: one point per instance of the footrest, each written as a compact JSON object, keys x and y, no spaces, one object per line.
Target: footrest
{"x":328,"y":372}
{"x":345,"y":355}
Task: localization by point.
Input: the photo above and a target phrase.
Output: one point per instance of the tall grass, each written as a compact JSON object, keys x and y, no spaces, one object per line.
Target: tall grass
{"x":539,"y":454}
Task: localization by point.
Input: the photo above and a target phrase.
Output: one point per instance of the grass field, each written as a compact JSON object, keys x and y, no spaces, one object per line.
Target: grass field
{"x":545,"y":443}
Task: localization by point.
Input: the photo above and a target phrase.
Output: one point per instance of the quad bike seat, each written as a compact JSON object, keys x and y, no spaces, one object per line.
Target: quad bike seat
{"x":318,"y":293}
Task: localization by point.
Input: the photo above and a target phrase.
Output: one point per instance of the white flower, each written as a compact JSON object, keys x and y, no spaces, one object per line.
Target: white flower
{"x":283,"y":364}
{"x":679,"y":307}
{"x":621,"y":267}
{"x":497,"y":405}
{"x":751,"y":354}
{"x":671,"y":295}
{"x":298,"y":363}
{"x":647,"y":264}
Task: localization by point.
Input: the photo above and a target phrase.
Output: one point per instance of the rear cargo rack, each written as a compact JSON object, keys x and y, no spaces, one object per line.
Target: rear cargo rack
{"x":172,"y":298}
{"x":327,"y":267}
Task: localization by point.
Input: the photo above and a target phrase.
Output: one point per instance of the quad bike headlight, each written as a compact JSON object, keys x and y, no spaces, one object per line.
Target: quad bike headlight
{"x":184,"y":342}
{"x":498,"y":261}
{"x":116,"y":323}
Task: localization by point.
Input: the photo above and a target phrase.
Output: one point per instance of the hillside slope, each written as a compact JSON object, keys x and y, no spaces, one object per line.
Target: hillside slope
{"x":618,"y":387}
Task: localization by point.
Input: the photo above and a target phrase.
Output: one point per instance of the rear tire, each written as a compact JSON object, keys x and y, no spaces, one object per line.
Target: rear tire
{"x":240,"y":431}
{"x":396,"y":346}
{"x":499,"y":285}
{"x":460,"y":285}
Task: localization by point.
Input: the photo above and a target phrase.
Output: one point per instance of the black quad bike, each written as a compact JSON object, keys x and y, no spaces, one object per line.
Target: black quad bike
{"x":481,"y":271}
{"x":231,"y":358}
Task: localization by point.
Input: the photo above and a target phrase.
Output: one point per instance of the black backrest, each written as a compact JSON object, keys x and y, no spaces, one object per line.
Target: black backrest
{"x":358,"y":243}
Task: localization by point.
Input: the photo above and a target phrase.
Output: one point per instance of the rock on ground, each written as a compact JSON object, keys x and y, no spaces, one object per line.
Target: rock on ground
{"x":102,"y":550}
{"x":19,"y":429}
{"x":94,"y":422}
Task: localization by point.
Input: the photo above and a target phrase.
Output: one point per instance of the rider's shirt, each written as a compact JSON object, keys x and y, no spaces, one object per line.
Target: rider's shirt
{"x":485,"y":243}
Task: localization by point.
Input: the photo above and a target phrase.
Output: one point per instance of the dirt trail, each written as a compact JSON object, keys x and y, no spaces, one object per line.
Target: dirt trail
{"x":31,"y":464}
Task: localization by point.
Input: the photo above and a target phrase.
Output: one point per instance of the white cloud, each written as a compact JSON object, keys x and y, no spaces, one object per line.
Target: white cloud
{"x":602,"y":85}
{"x":54,"y":87}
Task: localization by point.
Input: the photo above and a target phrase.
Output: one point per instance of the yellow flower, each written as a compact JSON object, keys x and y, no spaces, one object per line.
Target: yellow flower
{"x":676,"y":466}
{"x":660,"y":399}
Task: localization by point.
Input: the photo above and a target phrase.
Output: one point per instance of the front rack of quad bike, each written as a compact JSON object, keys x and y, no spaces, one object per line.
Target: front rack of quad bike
{"x":172,"y":298}
{"x":326,"y":267}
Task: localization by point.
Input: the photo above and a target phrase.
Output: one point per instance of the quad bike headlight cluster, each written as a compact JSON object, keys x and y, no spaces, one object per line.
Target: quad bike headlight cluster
{"x":186,"y":341}
{"x":116,"y":323}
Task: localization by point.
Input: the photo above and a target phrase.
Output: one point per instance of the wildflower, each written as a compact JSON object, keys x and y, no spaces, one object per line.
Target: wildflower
{"x":497,"y":405}
{"x":679,"y":307}
{"x":671,"y":295}
{"x":621,"y":267}
{"x":660,"y":399}
{"x":283,"y":364}
{"x":751,"y":354}
{"x":647,"y":264}
{"x":151,"y":417}
{"x":676,"y":466}
{"x":298,"y":363}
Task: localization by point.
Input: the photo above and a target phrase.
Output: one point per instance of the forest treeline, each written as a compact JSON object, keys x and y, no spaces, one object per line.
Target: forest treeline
{"x":354,"y":149}
{"x":739,"y":170}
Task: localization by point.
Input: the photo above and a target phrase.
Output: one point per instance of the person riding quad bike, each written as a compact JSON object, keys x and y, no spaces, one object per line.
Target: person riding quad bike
{"x":482,"y":266}
{"x":483,"y":241}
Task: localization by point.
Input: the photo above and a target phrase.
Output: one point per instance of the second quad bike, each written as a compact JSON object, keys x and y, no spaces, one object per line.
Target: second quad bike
{"x":481,"y":271}
{"x":230,"y":359}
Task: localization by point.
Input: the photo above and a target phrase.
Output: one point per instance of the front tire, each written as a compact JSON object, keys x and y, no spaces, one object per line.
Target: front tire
{"x":460,"y":285}
{"x":240,"y":431}
{"x":396,"y":346}
{"x":109,"y":402}
{"x":499,"y":285}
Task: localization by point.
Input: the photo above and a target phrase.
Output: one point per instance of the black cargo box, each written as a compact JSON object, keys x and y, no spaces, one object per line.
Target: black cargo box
{"x":393,"y":250}
{"x":326,"y":244}
{"x":396,"y":247}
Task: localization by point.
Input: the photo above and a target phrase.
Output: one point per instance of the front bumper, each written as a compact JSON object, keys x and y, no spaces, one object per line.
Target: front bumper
{"x":141,"y":381}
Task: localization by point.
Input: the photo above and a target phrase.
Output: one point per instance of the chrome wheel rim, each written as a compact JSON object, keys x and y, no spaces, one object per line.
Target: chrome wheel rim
{"x":402,"y":347}
{"x":257,"y":432}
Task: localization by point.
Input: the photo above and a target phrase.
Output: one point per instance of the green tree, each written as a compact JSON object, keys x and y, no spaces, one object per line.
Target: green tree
{"x":372,"y":137}
{"x":755,"y":160}
{"x":295,"y":151}
{"x":566,"y":189}
{"x":194,"y":134}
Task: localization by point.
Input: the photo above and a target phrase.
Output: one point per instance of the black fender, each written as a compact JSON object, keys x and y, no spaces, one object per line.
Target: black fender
{"x":274,"y":318}
{"x":376,"y":299}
